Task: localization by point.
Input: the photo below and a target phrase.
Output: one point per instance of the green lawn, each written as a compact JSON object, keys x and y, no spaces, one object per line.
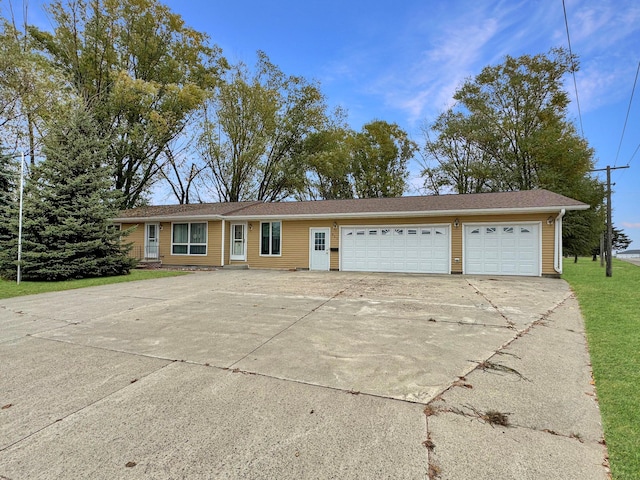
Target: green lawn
{"x":11,"y":289}
{"x":611,"y":309}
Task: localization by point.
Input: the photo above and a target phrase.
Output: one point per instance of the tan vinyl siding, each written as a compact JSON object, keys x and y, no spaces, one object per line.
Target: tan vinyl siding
{"x":136,"y":237}
{"x":294,"y":236}
{"x":295,"y":240}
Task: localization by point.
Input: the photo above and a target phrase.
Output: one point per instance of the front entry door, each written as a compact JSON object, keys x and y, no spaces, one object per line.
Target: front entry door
{"x":319,"y":248}
{"x":238,"y":241}
{"x":151,"y":241}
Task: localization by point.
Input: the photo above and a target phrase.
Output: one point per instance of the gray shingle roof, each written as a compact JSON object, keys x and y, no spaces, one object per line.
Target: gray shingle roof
{"x":528,"y":200}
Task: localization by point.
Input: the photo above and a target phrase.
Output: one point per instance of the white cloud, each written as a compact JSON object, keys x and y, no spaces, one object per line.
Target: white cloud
{"x":631,"y":225}
{"x":444,"y":54}
{"x":424,"y":82}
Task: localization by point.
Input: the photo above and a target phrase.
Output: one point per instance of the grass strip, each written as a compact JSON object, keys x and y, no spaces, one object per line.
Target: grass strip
{"x":10,"y":289}
{"x":611,"y":309}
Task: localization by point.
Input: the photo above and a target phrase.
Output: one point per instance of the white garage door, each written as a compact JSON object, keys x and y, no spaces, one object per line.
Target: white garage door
{"x":508,"y":249}
{"x":415,"y":249}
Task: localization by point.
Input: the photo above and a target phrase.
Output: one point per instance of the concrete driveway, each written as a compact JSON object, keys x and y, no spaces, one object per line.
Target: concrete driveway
{"x":299,"y":375}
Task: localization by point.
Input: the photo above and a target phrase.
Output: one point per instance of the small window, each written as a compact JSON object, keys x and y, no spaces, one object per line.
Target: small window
{"x":475,"y":231}
{"x":270,"y":238}
{"x":490,"y":230}
{"x":412,"y":231}
{"x":507,"y":229}
{"x":439,"y":231}
{"x":349,"y":232}
{"x":524,"y":230}
{"x":319,"y":241}
{"x":373,"y":232}
{"x":398,"y":231}
{"x":359,"y":232}
{"x":425,"y":231}
{"x":385,"y":231}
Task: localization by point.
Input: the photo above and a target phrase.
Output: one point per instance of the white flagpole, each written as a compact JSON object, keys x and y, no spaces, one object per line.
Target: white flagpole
{"x":20,"y":220}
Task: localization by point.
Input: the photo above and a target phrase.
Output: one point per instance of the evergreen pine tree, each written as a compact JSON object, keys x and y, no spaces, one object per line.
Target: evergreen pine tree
{"x":67,"y":206}
{"x":8,"y":214}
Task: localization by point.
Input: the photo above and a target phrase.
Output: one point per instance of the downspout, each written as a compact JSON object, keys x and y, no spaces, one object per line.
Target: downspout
{"x":557,"y":263}
{"x":222,"y":244}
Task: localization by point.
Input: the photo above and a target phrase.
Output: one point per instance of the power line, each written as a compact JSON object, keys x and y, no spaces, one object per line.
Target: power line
{"x":573,"y":68}
{"x":634,"y":154}
{"x":627,"y":117}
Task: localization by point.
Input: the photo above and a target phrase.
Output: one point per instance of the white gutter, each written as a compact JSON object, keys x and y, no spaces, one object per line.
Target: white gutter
{"x":222,"y":245}
{"x":166,"y":218}
{"x":424,"y":213}
{"x":332,"y":216}
{"x":557,"y":250}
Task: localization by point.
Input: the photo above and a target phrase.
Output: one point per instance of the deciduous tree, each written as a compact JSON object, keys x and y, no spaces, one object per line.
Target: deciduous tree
{"x":141,"y":71}
{"x":254,"y":132}
{"x":31,"y":91}
{"x":509,"y":130}
{"x":327,"y":157}
{"x":379,"y":157}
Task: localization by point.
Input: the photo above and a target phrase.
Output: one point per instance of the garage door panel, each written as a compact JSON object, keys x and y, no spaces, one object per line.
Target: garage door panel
{"x":507,"y":249}
{"x":420,"y":249}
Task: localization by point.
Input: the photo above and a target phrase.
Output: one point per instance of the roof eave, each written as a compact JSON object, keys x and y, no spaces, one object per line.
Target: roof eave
{"x":334,"y":216}
{"x":166,"y":218}
{"x":421,"y":213}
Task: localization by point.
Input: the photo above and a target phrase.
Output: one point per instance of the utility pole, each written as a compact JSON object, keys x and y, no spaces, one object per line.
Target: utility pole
{"x":609,"y":239}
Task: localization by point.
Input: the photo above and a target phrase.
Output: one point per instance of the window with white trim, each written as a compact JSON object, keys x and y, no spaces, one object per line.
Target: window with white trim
{"x":270,"y":238}
{"x":189,"y":238}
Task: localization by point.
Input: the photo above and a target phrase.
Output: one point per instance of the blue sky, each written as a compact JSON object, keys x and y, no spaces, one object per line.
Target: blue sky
{"x":401,"y":61}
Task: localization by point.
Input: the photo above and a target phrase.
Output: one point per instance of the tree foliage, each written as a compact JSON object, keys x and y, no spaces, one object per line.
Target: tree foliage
{"x":509,"y":131}
{"x":327,"y":159}
{"x":141,"y":72}
{"x":380,"y":154}
{"x":254,"y":129}
{"x":67,"y":206}
{"x":31,"y":91}
{"x":8,"y":201}
{"x":620,"y":241}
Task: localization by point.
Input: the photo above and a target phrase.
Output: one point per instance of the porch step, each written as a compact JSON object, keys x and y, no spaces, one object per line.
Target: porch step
{"x":149,"y":264}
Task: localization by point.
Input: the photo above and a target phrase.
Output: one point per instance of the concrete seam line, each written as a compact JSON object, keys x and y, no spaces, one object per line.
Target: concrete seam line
{"x":234,"y":370}
{"x":83,"y":408}
{"x":98,"y":347}
{"x":297,"y":321}
{"x":301,"y":382}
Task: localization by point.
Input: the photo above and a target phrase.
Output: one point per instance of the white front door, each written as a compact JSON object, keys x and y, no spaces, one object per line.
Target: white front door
{"x":319,"y":248}
{"x":151,"y":241}
{"x":238,"y":241}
